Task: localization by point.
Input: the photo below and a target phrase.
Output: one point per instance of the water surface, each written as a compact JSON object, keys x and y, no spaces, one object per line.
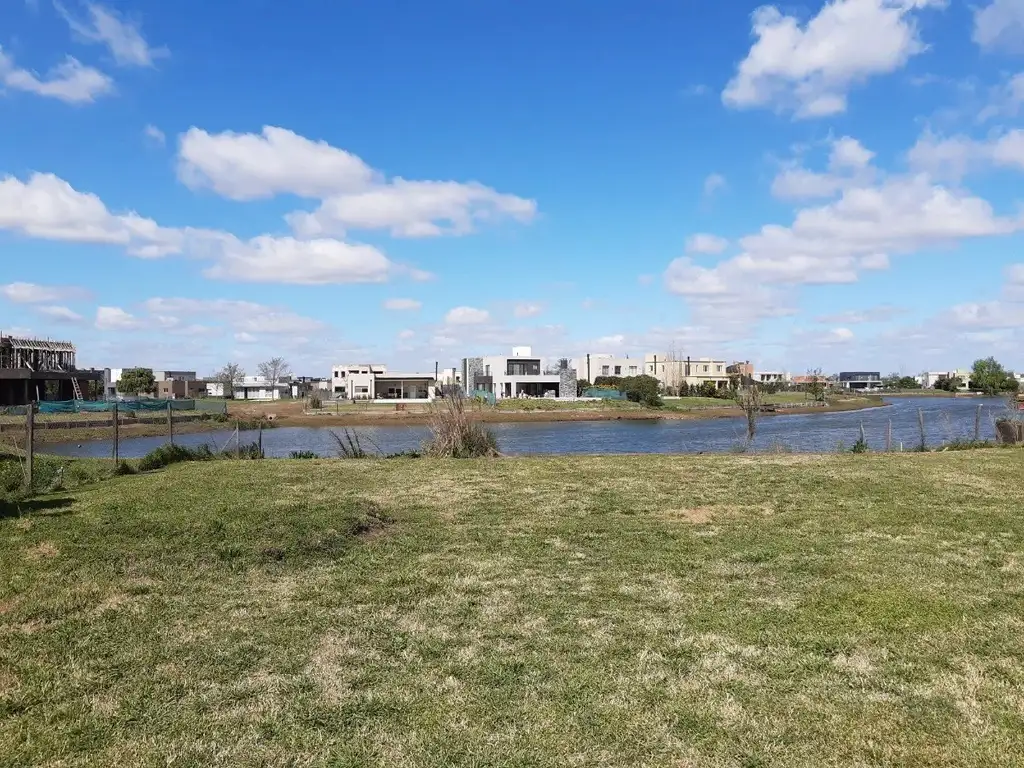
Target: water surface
{"x":946,"y":419}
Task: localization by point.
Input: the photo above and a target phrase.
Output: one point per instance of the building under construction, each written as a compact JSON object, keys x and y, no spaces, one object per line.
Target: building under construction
{"x":39,"y":369}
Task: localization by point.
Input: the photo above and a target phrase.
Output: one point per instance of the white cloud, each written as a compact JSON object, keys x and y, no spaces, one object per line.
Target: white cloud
{"x":406,"y":334}
{"x":809,"y":68}
{"x":714,"y":183}
{"x":706,"y":244}
{"x":832,"y":243}
{"x":838,"y":336}
{"x":116,"y":319}
{"x":849,"y":165}
{"x":49,"y":208}
{"x":847,"y":152}
{"x":244,"y":317}
{"x":1000,"y":26}
{"x":527,"y":309}
{"x":267,"y":259}
{"x":31,"y":293}
{"x":878,"y":314}
{"x":413,"y":209}
{"x":155,"y":135}
{"x":954,"y":157}
{"x":467,"y":316}
{"x":70,"y":81}
{"x":247,"y":166}
{"x":59,"y":314}
{"x":122,"y":38}
{"x":244,"y":337}
{"x":402,"y":305}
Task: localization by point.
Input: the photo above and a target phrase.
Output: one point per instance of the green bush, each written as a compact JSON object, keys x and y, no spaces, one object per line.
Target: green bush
{"x":303,"y":455}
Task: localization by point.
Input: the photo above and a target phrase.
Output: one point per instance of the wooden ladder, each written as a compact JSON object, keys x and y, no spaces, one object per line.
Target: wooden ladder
{"x":77,"y":389}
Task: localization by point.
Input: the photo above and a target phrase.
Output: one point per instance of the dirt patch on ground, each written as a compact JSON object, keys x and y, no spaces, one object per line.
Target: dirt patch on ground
{"x":44,"y":550}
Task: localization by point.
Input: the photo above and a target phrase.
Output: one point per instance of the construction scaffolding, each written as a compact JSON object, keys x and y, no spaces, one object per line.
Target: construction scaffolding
{"x":36,"y":355}
{"x":32,"y":370}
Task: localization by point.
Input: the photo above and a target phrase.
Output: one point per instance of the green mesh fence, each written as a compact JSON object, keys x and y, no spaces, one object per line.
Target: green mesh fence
{"x":124,"y":406}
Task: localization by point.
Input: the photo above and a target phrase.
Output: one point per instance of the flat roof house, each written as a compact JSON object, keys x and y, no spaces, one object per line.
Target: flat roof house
{"x":373,"y":381}
{"x":521,"y":374}
{"x":860,"y":380}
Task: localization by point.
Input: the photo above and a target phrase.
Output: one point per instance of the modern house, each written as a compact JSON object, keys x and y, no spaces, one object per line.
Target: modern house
{"x":770,"y":377}
{"x":860,"y":380}
{"x":41,"y":369}
{"x":522,"y":374}
{"x":673,"y":371}
{"x":111,"y":376}
{"x":178,"y":389}
{"x":929,"y":379}
{"x":449,"y":380}
{"x":304,"y":386}
{"x":373,"y":381}
{"x":594,"y":366}
{"x":260,"y":388}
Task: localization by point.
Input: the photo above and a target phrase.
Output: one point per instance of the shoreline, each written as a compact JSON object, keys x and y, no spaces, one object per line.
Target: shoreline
{"x":422,"y":418}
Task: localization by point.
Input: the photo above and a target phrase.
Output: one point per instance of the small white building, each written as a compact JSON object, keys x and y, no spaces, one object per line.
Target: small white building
{"x":260,"y":388}
{"x":770,"y":377}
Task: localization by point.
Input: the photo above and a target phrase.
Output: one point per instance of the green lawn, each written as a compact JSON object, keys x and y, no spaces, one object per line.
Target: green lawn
{"x":845,"y":610}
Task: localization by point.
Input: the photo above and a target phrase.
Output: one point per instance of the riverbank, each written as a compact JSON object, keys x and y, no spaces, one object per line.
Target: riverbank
{"x":769,"y":610}
{"x":511,"y":412}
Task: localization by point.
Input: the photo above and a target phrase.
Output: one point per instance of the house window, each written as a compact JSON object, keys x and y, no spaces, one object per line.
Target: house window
{"x":337,"y":374}
{"x":618,"y":370}
{"x":487,"y":370}
{"x":604,"y":370}
{"x":632,"y":370}
{"x":705,"y":369}
{"x":718,"y":369}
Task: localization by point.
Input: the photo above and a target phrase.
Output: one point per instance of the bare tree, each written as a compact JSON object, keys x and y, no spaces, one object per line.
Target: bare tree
{"x":230,"y":375}
{"x":275,"y":369}
{"x":816,"y":385}
{"x":749,"y":400}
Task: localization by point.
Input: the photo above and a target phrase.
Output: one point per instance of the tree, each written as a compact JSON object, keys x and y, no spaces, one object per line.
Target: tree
{"x":582,"y":385}
{"x":990,"y":377}
{"x":948,"y":383}
{"x":907,"y":382}
{"x":230,"y":375}
{"x":892,"y":381}
{"x":642,"y":389}
{"x":749,"y":400}
{"x":707,"y":389}
{"x":137,"y":381}
{"x":816,"y":385}
{"x":275,"y":369}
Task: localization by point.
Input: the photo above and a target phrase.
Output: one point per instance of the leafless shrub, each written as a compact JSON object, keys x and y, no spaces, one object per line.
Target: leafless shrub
{"x":455,"y":435}
{"x":749,"y":400}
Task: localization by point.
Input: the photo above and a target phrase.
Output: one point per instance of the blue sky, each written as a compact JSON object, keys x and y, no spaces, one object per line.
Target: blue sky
{"x":819,"y":184}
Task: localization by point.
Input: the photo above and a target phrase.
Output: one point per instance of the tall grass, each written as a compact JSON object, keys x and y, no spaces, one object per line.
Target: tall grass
{"x":173,"y":454}
{"x":348,"y":445}
{"x":455,"y":435}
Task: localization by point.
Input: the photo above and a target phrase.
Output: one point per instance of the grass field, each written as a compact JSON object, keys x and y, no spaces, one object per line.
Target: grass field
{"x":692,"y":611}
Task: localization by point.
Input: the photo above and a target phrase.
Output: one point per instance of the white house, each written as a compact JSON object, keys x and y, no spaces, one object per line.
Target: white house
{"x":373,"y":381}
{"x":522,"y":374}
{"x":674,"y":370}
{"x":929,"y":378}
{"x":593,"y":365}
{"x":260,"y":388}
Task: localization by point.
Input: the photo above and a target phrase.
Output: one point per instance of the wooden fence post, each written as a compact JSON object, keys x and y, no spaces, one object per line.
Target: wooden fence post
{"x":116,"y":436}
{"x":30,"y":444}
{"x":170,"y":422}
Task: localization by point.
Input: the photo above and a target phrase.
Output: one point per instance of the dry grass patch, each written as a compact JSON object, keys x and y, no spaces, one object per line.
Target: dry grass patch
{"x":41,"y":551}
